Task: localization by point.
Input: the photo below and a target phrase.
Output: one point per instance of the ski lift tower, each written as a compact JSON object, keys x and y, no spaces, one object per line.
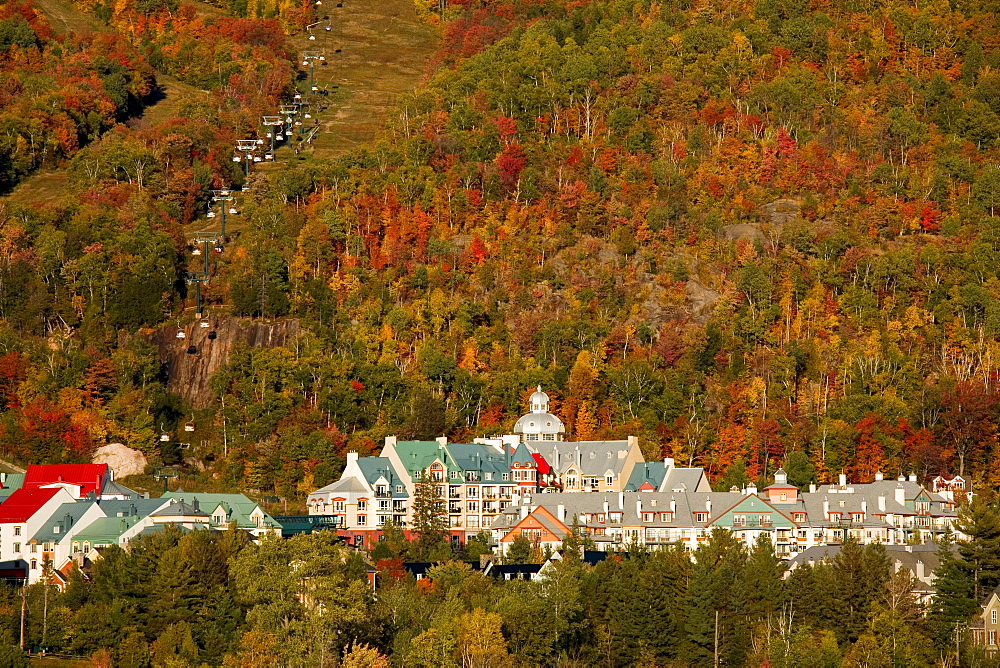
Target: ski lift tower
{"x":245,"y":149}
{"x":309,"y":59}
{"x":274,"y":122}
{"x":164,"y":473}
{"x":224,"y":196}
{"x":291,"y":113}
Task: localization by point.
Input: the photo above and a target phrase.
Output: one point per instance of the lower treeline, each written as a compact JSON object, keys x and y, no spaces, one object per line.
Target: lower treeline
{"x":216,"y":598}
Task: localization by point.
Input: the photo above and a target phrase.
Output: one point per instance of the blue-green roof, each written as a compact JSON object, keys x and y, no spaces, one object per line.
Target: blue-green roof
{"x":651,"y":472}
{"x":380,"y":467}
{"x":237,"y":506}
{"x":65,"y":516}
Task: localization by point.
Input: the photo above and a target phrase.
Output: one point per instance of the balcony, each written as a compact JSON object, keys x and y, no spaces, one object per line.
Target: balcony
{"x":454,"y":492}
{"x":381,"y":493}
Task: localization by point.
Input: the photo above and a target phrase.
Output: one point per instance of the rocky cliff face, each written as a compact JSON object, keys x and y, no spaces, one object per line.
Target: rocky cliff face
{"x":191,"y":361}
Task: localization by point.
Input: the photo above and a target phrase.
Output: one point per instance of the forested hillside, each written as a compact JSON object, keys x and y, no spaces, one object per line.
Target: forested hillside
{"x":738,"y":231}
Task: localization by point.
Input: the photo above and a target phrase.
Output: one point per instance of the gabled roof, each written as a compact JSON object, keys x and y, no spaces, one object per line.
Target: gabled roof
{"x":375,"y":468}
{"x":25,"y":502}
{"x":592,"y":458}
{"x":237,"y":506}
{"x":64,"y":517}
{"x":478,"y":457}
{"x":417,"y":455}
{"x":106,"y":530}
{"x":90,"y":477}
{"x":179,"y":509}
{"x":523,"y":456}
{"x":646,"y":476}
{"x":111,"y":488}
{"x":131,"y":507}
{"x":344,"y":486}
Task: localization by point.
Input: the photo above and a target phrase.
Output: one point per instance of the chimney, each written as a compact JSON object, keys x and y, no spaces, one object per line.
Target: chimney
{"x":842,"y":479}
{"x":901,"y":478}
{"x":826,"y":510}
{"x":812,"y":488}
{"x":673,"y":506}
{"x":864,"y":509}
{"x":579,"y":459}
{"x":638,"y":508}
{"x":920,"y":570}
{"x":390,"y":441}
{"x":442,"y":441}
{"x":194,"y":503}
{"x":68,"y":521}
{"x":607,"y":506}
{"x":352,"y":458}
{"x":561,"y":512}
{"x":708,"y":506}
{"x":878,"y":476}
{"x":524,"y":512}
{"x":621,"y":500}
{"x":668,"y":463}
{"x":900,"y":495}
{"x":913,"y":477}
{"x":881,"y":503}
{"x":751,"y":489}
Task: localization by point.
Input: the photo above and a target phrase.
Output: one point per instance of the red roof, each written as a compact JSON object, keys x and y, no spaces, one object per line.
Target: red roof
{"x":90,"y":477}
{"x":543,"y":466}
{"x":24,"y":503}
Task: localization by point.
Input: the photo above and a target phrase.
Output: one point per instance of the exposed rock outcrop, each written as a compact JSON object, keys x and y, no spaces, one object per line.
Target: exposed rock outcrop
{"x":191,"y":361}
{"x":121,"y":459}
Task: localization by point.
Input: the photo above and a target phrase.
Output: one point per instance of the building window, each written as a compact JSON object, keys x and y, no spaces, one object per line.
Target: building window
{"x":993,"y":616}
{"x":799,"y":517}
{"x":505,"y":476}
{"x":666,"y":517}
{"x":701,"y":517}
{"x":362,"y":504}
{"x":472,"y":506}
{"x":784,"y":497}
{"x":548,"y":437}
{"x":338,"y":506}
{"x":473,"y":522}
{"x":471,"y":491}
{"x":34,"y":548}
{"x":86,"y":546}
{"x":362,"y":520}
{"x":993,"y":637}
{"x":488,"y":475}
{"x":34,"y":564}
{"x":17,"y":547}
{"x":399,"y":489}
{"x":739,"y":520}
{"x":532,"y":437}
{"x":17,"y":531}
{"x":647,"y":517}
{"x":609,"y":480}
{"x":47,"y":547}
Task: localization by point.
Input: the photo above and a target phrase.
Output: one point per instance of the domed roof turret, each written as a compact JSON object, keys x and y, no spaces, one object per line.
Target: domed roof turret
{"x":539,"y":401}
{"x":539,"y":420}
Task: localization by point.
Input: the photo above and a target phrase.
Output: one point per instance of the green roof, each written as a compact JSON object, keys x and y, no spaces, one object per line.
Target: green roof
{"x":106,"y":530}
{"x":237,"y":506}
{"x":418,"y":455}
{"x":11,"y":483}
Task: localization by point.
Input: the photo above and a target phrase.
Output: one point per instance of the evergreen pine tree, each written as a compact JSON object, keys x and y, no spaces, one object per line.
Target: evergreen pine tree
{"x":430,"y":521}
{"x":955,"y":599}
{"x":719,"y":563}
{"x":980,"y":554}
